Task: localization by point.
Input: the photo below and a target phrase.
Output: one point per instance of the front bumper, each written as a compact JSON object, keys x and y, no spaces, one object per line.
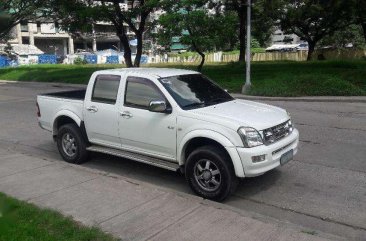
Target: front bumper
{"x":272,"y":154}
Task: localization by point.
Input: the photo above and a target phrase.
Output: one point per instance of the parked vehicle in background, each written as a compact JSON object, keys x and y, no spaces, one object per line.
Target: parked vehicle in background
{"x":174,"y":119}
{"x":288,"y":47}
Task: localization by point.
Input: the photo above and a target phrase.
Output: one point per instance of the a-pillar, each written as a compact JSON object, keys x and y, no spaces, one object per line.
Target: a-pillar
{"x":71,"y":45}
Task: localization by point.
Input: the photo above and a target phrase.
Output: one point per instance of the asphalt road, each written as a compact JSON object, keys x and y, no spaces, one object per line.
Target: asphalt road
{"x":323,"y":189}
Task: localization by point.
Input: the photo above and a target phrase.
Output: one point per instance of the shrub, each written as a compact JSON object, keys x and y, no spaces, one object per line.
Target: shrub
{"x":80,"y":61}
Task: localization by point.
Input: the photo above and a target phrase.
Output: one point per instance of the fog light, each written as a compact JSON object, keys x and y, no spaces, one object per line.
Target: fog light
{"x":260,"y":158}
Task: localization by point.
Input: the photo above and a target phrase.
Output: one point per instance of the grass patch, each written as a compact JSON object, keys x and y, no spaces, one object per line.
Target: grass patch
{"x":23,"y":221}
{"x":317,"y":78}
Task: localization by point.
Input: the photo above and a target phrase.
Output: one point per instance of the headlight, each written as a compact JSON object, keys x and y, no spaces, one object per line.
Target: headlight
{"x":250,"y":136}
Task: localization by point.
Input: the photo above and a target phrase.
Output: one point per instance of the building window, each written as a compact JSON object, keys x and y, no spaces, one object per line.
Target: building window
{"x":25,"y":40}
{"x":57,"y":27}
{"x":24,"y":26}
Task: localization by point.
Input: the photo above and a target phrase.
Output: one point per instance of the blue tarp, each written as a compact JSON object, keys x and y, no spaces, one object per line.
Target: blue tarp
{"x":91,"y":59}
{"x":4,"y":62}
{"x":144,"y":59}
{"x":133,"y":42}
{"x":112,"y":59}
{"x":47,"y":59}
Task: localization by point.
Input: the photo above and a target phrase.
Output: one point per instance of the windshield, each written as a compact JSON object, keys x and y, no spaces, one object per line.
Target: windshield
{"x":194,"y":91}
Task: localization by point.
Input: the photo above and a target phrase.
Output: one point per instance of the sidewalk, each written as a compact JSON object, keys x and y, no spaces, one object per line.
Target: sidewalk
{"x":130,"y":209}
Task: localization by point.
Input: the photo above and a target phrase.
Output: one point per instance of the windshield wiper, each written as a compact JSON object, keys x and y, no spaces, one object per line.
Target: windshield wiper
{"x":195,"y":104}
{"x":219,"y":100}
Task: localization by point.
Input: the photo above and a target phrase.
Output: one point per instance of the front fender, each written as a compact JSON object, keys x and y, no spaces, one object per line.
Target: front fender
{"x":215,"y":136}
{"x":66,"y":113}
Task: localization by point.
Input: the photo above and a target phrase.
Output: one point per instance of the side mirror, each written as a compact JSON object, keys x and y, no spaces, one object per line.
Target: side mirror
{"x":159,"y":106}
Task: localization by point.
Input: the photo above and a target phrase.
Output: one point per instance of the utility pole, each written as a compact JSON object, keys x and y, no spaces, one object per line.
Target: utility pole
{"x":247,"y":84}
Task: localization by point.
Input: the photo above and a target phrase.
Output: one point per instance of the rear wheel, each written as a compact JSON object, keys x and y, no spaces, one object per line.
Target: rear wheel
{"x":71,"y":144}
{"x":210,"y":173}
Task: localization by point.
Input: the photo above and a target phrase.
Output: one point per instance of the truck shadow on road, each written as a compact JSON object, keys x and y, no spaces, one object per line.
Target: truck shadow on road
{"x":174,"y":180}
{"x":251,"y":186}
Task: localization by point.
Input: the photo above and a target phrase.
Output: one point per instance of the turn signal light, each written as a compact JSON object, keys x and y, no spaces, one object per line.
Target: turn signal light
{"x":260,"y":158}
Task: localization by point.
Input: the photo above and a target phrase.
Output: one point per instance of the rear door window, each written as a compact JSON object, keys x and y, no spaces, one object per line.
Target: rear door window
{"x":106,"y":89}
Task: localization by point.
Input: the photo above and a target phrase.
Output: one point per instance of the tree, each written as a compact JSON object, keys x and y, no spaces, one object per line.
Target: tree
{"x":80,"y":15}
{"x":239,"y":6}
{"x":360,"y":15}
{"x":312,"y":20}
{"x":9,"y":51}
{"x":353,"y":34}
{"x":227,"y":29}
{"x":196,"y":26}
{"x":14,"y":11}
{"x":262,"y":21}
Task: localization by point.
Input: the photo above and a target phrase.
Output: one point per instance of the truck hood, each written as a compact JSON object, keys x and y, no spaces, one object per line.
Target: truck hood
{"x":237,"y":113}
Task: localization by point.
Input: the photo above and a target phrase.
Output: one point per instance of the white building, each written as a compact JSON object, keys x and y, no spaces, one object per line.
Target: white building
{"x":46,"y":36}
{"x":278,"y":37}
{"x":51,"y":39}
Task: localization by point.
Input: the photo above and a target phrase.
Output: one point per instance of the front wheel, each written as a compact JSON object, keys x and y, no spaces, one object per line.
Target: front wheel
{"x":210,"y":173}
{"x":71,"y":144}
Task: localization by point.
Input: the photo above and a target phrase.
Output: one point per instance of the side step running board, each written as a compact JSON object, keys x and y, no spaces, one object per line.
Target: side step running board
{"x":136,"y":157}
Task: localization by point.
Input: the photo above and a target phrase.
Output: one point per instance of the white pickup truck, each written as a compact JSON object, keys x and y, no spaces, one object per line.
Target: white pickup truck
{"x":173,"y":119}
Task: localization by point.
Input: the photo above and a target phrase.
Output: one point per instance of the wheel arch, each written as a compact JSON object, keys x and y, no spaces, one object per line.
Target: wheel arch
{"x":198,"y":138}
{"x":64,"y":117}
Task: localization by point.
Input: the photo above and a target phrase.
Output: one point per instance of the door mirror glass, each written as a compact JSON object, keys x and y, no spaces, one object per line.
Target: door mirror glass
{"x":158,"y":106}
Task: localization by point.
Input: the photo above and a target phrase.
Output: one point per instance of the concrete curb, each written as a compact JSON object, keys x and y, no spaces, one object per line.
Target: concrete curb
{"x":344,"y":99}
{"x":52,"y":84}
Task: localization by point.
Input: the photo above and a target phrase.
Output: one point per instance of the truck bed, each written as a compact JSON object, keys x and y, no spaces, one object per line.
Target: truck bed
{"x":51,"y":104}
{"x":71,"y":94}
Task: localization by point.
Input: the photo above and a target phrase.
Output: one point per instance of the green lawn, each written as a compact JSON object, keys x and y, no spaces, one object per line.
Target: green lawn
{"x":317,"y":78}
{"x":22,"y":221}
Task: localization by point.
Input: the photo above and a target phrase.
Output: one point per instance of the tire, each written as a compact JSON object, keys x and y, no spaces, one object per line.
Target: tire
{"x":73,"y":149}
{"x":217,"y":180}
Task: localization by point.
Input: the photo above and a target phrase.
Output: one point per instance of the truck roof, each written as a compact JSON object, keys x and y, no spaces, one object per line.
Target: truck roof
{"x":153,"y":72}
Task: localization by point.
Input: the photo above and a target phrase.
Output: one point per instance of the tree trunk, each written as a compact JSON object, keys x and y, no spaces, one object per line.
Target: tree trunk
{"x":311,"y":50}
{"x":242,"y":29}
{"x":199,"y":68}
{"x":194,"y":45}
{"x":138,"y":49}
{"x":364,"y":29}
{"x":127,"y":49}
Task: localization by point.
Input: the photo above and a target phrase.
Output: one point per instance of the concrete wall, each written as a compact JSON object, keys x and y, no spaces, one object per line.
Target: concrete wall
{"x":269,"y":56}
{"x":50,"y":46}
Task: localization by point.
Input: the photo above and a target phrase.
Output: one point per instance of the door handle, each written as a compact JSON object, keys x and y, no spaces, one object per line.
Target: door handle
{"x":126,"y":114}
{"x":92,"y":109}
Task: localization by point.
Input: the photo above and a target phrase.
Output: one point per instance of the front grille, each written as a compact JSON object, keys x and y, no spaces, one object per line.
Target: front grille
{"x":282,"y":148}
{"x":276,"y":133}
